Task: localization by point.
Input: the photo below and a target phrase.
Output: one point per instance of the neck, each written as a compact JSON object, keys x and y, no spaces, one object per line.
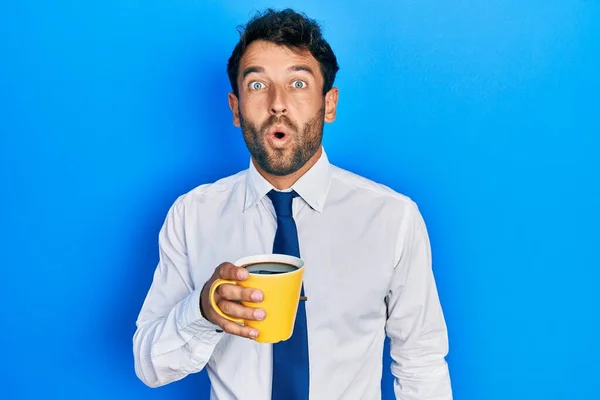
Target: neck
{"x":286,"y":181}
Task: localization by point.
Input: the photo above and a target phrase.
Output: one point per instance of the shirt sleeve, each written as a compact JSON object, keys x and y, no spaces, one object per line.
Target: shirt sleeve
{"x":415,"y":324}
{"x":172,"y":339}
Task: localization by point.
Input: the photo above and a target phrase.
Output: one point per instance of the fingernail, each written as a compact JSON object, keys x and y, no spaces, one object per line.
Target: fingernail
{"x":256,"y":296}
{"x":241,"y":274}
{"x":254,"y":334}
{"x":259,"y":314}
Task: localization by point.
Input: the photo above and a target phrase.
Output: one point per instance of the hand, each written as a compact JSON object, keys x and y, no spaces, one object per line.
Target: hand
{"x":228,"y":297}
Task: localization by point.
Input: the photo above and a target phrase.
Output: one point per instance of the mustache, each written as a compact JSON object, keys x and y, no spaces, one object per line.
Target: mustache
{"x":281,"y":120}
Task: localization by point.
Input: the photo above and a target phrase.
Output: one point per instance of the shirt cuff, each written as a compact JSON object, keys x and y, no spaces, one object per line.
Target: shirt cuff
{"x":193,"y":323}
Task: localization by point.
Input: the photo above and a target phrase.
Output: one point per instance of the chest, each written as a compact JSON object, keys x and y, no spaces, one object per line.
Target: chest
{"x":348,"y":258}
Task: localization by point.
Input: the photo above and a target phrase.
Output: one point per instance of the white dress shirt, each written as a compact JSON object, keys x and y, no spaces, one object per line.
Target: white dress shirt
{"x":368,"y":273}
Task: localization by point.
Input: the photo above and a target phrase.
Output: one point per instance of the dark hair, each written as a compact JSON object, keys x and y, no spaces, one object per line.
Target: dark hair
{"x":285,"y":28}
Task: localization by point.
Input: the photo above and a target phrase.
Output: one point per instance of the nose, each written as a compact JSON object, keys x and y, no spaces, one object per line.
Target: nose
{"x":278,"y":103}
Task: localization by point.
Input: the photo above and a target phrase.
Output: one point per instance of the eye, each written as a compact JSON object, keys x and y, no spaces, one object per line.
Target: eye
{"x":298,"y":84}
{"x":256,"y":85}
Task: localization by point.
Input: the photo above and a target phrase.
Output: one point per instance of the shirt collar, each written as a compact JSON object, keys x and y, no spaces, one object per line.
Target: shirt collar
{"x":312,"y":186}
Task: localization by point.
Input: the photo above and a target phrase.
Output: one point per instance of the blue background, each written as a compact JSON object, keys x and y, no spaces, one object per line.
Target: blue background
{"x":486,"y":113}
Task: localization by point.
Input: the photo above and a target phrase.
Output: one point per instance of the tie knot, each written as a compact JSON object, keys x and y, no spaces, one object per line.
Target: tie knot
{"x":282,"y":202}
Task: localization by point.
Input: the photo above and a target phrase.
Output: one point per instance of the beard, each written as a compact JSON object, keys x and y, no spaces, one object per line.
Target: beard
{"x":305,"y":142}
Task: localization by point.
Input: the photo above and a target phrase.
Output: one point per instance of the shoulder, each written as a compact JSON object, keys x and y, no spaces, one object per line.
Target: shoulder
{"x":216,"y":192}
{"x":369,"y":190}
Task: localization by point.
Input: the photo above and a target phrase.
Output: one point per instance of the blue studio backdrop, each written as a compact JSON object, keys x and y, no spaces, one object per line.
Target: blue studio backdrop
{"x":486,"y":113}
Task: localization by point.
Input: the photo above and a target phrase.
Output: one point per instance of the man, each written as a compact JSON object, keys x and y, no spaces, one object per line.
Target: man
{"x":367,"y":255}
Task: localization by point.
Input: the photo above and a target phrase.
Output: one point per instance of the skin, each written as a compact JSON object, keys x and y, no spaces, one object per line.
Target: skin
{"x":280,"y":90}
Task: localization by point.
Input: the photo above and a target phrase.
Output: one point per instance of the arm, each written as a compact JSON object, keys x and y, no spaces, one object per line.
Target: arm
{"x":172,"y":339}
{"x":415,"y":325}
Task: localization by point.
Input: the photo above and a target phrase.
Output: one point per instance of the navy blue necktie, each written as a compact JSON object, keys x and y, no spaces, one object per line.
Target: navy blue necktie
{"x":290,"y":357}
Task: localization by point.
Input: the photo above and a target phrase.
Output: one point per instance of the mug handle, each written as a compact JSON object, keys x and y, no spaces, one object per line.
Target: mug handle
{"x":213,"y":303}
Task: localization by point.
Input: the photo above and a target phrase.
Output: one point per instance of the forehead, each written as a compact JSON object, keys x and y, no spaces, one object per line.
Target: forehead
{"x":271,"y":56}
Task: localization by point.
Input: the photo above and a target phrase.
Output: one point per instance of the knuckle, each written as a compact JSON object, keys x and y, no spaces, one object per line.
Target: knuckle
{"x":247,"y":294}
{"x":223,"y":305}
{"x":227,"y":328}
{"x":237,"y":330}
{"x":249,"y":313}
{"x":222,"y":290}
{"x":248,"y":333}
{"x":244,"y":333}
{"x":232,"y":328}
{"x":218,"y":271}
{"x":224,"y":269}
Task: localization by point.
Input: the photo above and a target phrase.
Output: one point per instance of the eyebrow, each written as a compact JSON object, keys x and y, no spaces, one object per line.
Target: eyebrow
{"x":251,"y":70}
{"x":302,"y":68}
{"x":296,"y":68}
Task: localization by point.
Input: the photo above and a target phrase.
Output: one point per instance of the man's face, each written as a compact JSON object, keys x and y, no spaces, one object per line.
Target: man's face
{"x":281,"y":108}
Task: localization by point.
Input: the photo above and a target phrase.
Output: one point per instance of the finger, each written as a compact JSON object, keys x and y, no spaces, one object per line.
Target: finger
{"x":238,"y":293}
{"x":237,"y":310}
{"x":238,"y":330}
{"x":232,"y":272}
{"x":229,"y":292}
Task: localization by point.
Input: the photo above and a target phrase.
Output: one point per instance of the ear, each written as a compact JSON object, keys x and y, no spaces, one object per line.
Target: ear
{"x":234,"y":105}
{"x":331,"y":100}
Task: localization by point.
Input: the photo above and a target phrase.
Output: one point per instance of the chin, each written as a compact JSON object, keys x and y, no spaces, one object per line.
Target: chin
{"x":280,"y":170}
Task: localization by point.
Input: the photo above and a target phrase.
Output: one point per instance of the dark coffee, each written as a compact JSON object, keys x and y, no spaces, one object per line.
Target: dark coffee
{"x":270,"y":268}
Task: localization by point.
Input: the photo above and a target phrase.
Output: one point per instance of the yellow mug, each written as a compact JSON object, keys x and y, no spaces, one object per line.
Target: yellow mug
{"x":279,"y":277}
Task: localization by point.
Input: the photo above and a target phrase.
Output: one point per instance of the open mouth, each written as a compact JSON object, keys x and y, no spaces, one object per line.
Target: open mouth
{"x":278,"y":134}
